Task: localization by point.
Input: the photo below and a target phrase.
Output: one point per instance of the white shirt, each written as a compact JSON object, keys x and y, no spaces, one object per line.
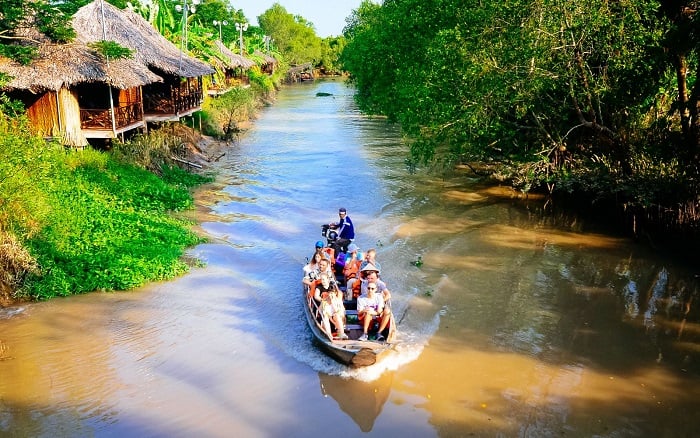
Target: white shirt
{"x":365,"y":302}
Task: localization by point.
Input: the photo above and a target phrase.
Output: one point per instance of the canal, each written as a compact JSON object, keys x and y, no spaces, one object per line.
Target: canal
{"x":511,"y":322}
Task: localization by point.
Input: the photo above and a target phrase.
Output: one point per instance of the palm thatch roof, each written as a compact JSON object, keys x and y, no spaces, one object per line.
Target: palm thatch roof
{"x":130,"y":30}
{"x":60,"y":65}
{"x":233,"y":60}
{"x":265,"y":57}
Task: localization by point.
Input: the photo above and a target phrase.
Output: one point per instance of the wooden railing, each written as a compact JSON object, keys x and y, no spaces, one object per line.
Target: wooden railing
{"x":187,"y":99}
{"x":101,"y":118}
{"x":159,"y":103}
{"x":177,"y":102}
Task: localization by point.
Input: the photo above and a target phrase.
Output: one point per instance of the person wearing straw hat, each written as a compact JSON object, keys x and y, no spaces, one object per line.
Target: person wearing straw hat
{"x":370,"y":274}
{"x":371,"y":258}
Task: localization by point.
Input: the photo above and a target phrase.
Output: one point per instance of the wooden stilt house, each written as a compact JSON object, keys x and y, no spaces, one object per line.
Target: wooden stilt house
{"x":181,"y":91}
{"x":300,"y":73}
{"x":267,"y":62}
{"x":233,"y":68}
{"x":71,"y":92}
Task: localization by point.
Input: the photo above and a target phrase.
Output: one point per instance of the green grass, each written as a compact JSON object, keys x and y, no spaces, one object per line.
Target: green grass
{"x":110,"y":229}
{"x":79,"y":221}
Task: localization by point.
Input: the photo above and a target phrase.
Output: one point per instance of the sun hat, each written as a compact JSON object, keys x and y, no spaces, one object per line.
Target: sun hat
{"x":370,"y":267}
{"x":320,"y":244}
{"x":352,"y":247}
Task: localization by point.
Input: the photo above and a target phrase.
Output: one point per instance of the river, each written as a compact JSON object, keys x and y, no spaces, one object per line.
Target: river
{"x":515,"y":324}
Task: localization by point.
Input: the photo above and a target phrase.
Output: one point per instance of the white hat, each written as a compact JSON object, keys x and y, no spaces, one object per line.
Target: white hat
{"x":352,"y":247}
{"x":370,"y":267}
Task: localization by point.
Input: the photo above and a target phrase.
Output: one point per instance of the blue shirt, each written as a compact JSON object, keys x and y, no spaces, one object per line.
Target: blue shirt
{"x":346,"y":230}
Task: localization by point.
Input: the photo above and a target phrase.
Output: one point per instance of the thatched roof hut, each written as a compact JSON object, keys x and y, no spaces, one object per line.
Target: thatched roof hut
{"x":267,"y":62}
{"x":130,"y":30}
{"x":265,"y":57}
{"x":49,"y":86}
{"x":65,"y":65}
{"x":233,"y":60}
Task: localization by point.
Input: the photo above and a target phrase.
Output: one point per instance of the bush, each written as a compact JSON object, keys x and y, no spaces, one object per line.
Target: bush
{"x":222,"y":114}
{"x":150,"y":151}
{"x":78,"y":221}
{"x":110,"y":230}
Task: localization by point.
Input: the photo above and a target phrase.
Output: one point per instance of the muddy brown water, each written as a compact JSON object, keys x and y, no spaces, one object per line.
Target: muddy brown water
{"x":514,"y":325}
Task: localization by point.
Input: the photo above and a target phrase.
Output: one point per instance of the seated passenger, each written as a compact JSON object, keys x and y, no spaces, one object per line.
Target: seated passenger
{"x":324,"y":265}
{"x":371,"y":258}
{"x":370,"y":308}
{"x":313,"y":263}
{"x":325,"y":251}
{"x":338,"y":302}
{"x":371,"y":275}
{"x":351,"y":270}
{"x":324,"y":284}
{"x":332,"y":310}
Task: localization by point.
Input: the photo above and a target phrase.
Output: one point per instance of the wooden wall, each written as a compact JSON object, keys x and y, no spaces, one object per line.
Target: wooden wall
{"x":43,"y":115}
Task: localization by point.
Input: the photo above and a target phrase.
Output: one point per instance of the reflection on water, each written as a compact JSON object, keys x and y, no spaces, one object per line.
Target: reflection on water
{"x":362,"y":401}
{"x":516,"y":323}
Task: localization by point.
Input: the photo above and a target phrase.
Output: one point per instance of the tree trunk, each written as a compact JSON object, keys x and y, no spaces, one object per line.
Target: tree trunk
{"x":694,"y":112}
{"x":681,"y":65}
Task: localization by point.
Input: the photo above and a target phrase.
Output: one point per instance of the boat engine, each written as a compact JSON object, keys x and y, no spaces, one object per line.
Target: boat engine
{"x":330,"y":234}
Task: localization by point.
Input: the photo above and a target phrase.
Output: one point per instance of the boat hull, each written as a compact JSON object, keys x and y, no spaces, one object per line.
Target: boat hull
{"x":351,"y":352}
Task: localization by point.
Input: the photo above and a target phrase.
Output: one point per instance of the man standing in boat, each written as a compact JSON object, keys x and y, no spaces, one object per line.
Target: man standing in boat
{"x":346,"y":231}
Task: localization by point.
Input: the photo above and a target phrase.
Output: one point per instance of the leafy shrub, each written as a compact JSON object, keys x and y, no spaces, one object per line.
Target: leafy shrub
{"x":110,"y":231}
{"x":151,"y":151}
{"x":28,"y":164}
{"x":79,"y":221}
{"x":222,"y":114}
{"x":263,"y":81}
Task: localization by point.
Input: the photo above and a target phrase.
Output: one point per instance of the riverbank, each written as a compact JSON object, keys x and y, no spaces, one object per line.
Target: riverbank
{"x":118,"y":214}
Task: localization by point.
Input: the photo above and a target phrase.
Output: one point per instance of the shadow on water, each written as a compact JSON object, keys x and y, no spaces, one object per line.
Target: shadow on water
{"x":362,"y":401}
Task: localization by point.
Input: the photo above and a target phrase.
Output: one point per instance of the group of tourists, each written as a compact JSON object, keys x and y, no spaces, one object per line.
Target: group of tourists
{"x":361,"y":283}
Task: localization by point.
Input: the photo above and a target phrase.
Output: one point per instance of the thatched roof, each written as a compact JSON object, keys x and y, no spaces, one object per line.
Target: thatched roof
{"x":130,"y":30}
{"x":61,"y":65}
{"x":300,"y":68}
{"x":267,"y":58}
{"x":234,"y":60}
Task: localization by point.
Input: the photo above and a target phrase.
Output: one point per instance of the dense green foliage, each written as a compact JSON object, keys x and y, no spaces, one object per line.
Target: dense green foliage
{"x":109,"y":229}
{"x":222,"y":114}
{"x":18,"y":16}
{"x":295,"y":36}
{"x":565,"y":95}
{"x":331,"y":50}
{"x":78,"y":221}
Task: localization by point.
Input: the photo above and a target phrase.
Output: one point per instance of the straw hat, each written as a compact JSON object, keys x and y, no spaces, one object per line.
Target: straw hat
{"x":370,"y":267}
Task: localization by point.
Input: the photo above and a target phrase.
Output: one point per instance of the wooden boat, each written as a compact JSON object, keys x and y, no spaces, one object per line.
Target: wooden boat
{"x":351,"y":352}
